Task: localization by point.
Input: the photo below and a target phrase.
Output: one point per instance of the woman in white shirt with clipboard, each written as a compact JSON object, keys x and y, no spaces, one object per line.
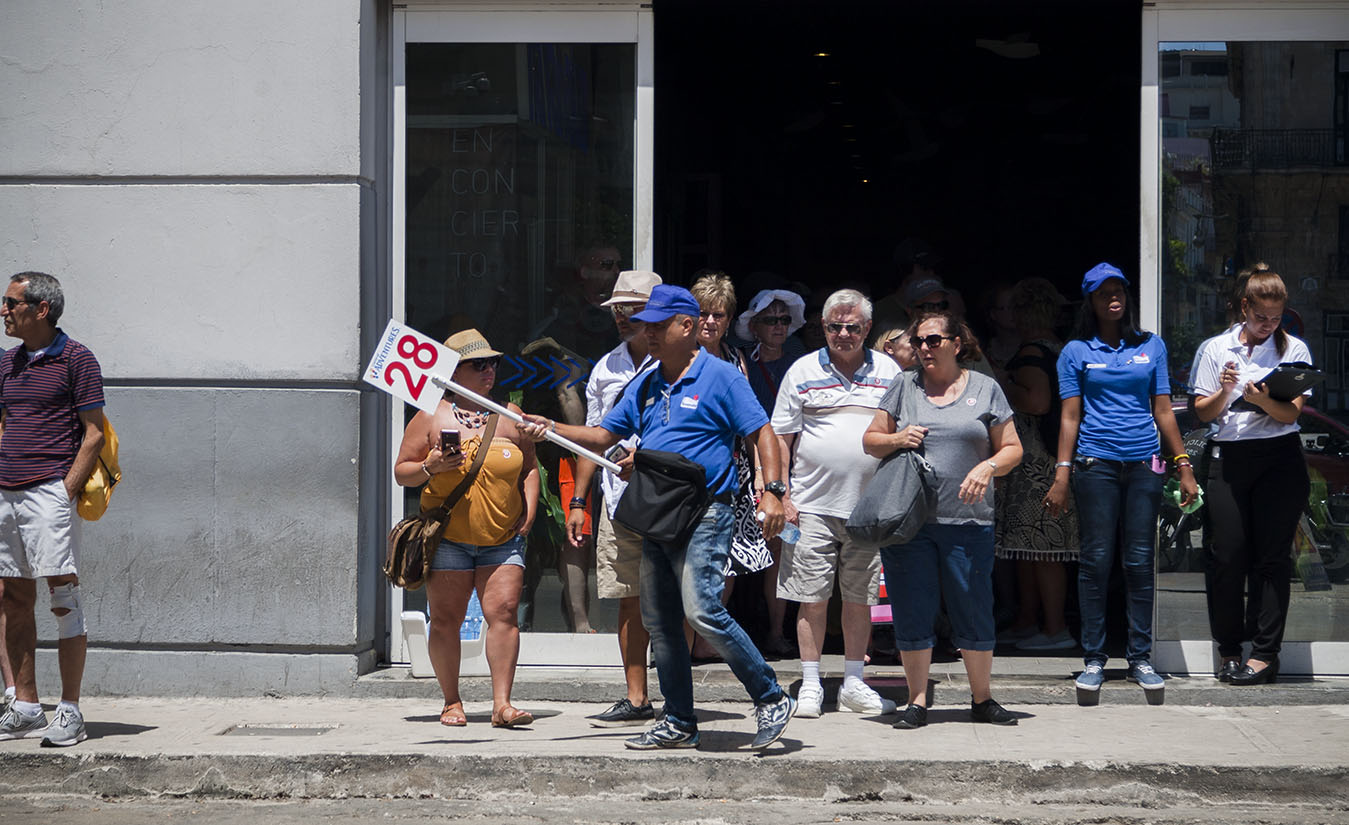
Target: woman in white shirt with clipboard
{"x":1257,"y":484}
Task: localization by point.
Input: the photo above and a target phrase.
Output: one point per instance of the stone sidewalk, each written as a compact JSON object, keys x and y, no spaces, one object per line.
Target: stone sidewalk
{"x":1113,"y":754}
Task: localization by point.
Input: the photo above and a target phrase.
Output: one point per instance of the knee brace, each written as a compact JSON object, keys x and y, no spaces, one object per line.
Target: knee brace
{"x":70,"y":624}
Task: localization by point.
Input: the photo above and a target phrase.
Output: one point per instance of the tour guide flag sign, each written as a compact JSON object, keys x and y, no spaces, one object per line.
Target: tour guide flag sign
{"x":416,"y":370}
{"x":404,"y":362}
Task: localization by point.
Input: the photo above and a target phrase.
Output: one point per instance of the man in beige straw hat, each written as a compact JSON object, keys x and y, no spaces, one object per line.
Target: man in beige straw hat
{"x":618,"y":550}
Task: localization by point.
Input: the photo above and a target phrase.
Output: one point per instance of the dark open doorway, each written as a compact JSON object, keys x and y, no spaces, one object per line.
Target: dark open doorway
{"x":809,"y":138}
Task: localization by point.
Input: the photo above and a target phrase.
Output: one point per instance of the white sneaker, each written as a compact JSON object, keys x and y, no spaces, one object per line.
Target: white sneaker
{"x":15,"y":725}
{"x":65,"y":730}
{"x":858,"y":697}
{"x":809,"y":699}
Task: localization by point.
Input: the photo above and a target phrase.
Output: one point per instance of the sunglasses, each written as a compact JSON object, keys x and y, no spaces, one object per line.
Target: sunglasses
{"x":607,"y":263}
{"x":626,"y":310}
{"x":932,"y":341}
{"x":853,"y":329}
{"x":10,"y":303}
{"x":774,"y":320}
{"x":484,"y":364}
{"x":935,"y":306}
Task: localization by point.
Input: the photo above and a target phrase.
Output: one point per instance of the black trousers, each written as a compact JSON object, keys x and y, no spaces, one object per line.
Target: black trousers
{"x":1256,"y":492}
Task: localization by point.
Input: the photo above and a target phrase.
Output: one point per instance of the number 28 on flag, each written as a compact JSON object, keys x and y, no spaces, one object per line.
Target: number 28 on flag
{"x":404,"y":362}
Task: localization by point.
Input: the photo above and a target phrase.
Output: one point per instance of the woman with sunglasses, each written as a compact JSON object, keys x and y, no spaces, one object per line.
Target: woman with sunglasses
{"x":749,"y":552}
{"x":1257,"y":481}
{"x":1116,"y":398}
{"x":773,"y":315}
{"x":965,"y":430}
{"x":484,"y":542}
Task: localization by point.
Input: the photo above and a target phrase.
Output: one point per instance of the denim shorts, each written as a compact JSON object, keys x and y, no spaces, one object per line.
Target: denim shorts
{"x":453,"y":555}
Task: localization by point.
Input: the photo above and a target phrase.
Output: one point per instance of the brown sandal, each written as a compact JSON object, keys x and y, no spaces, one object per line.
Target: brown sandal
{"x":509,"y":717}
{"x":452,"y":715}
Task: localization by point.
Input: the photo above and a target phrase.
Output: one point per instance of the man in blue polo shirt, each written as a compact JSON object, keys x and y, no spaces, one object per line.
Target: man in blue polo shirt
{"x":51,"y":432}
{"x":693,"y":404}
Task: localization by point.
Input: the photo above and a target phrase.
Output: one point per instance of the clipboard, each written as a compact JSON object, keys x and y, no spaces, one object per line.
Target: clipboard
{"x":1285,"y":382}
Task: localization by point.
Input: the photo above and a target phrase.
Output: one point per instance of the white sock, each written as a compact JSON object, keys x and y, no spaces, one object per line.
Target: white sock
{"x":9,"y":693}
{"x":75,"y":706}
{"x":27,"y":708}
{"x":810,"y":674}
{"x":852,"y":671}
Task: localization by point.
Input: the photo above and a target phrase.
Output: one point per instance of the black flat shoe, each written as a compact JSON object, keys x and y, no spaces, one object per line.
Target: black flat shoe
{"x":1250,"y":676}
{"x":913,"y":716}
{"x":1229,"y":669}
{"x":991,"y":712}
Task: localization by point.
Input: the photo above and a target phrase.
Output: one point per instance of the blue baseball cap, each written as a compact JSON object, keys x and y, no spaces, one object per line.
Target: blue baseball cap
{"x":1098,"y":275}
{"x":667,"y":301}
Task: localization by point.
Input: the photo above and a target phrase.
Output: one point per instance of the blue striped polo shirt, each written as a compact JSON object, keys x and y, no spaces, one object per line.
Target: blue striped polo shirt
{"x":42,"y":400}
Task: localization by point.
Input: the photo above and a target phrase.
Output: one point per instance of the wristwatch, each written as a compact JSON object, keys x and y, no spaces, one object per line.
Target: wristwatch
{"x":777,"y":488}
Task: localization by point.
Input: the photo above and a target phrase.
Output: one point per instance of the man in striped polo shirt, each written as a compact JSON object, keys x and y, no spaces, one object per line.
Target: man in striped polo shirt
{"x":51,"y":431}
{"x":824,"y":405}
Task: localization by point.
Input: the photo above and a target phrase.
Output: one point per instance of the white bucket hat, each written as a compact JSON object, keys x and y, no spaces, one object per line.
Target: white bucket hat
{"x":796,"y":307}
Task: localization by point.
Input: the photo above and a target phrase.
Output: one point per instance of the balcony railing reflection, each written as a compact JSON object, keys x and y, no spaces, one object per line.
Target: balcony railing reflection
{"x":1273,"y":148}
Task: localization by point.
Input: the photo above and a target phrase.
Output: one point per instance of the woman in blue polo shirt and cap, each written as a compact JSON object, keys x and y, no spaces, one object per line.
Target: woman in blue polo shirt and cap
{"x":1116,"y":401}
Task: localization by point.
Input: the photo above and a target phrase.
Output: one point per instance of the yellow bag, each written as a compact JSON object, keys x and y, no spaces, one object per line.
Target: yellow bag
{"x":93,"y":499}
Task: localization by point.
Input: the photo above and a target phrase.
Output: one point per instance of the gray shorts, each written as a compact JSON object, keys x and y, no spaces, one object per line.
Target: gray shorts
{"x":39,"y":532}
{"x":806,"y":569}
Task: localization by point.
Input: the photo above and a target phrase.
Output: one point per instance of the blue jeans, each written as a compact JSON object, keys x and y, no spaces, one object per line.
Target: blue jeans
{"x":679,"y":581}
{"x":951,"y":560}
{"x":1117,"y":505}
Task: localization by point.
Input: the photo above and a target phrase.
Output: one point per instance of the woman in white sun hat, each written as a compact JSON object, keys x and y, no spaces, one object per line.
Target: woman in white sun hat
{"x":773,"y":315}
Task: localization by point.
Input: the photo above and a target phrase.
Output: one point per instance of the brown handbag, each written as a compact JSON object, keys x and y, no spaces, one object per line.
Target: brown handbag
{"x":413,"y":541}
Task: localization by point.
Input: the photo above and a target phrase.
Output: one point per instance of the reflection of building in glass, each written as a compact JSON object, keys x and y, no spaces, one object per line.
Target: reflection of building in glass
{"x":1280,"y":182}
{"x":1196,"y":96}
{"x":519,"y":161}
{"x":1196,"y":101}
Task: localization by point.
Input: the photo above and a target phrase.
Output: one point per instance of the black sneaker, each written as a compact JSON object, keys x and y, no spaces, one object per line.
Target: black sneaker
{"x":913,"y":716}
{"x":623,"y":714}
{"x":991,"y":712}
{"x":664,"y":735}
{"x":772,"y":718}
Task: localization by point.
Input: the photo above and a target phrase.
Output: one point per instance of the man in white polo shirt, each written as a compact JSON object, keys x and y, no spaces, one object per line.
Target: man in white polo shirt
{"x":824,"y":404}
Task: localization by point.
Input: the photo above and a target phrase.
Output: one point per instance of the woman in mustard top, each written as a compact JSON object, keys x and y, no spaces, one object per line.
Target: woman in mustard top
{"x":484,"y":542}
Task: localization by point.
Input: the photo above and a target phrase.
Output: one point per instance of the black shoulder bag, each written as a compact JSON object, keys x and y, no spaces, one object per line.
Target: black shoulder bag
{"x":667,"y":495}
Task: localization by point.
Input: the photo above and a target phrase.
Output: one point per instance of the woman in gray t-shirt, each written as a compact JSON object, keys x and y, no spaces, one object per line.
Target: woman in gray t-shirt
{"x":964,"y":428}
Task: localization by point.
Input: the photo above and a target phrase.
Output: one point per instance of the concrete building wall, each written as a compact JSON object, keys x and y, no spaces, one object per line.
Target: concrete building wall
{"x":194,"y":173}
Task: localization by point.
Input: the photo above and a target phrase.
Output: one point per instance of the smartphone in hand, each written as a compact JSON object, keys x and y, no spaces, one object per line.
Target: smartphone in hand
{"x":449,"y":441}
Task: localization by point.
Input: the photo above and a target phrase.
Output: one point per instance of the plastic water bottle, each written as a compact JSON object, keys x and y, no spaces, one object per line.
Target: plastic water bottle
{"x":471,"y":629}
{"x":790,"y":533}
